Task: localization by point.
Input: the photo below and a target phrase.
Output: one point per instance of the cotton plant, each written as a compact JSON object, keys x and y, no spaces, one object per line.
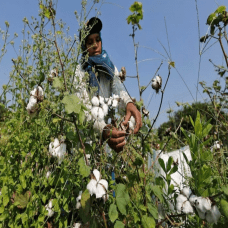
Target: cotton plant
{"x":36,"y":95}
{"x":57,"y":149}
{"x":48,"y":208}
{"x":98,"y":186}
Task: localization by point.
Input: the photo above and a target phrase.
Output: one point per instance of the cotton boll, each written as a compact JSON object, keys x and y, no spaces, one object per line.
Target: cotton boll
{"x":105,"y":109}
{"x":78,"y":199}
{"x":101,"y":100}
{"x":180,"y":200}
{"x":186,"y":191}
{"x":48,"y":174}
{"x":40,"y":93}
{"x":92,"y":187}
{"x":203,"y":205}
{"x":97,"y":113}
{"x":99,"y":125}
{"x":61,"y":153}
{"x":97,"y":174}
{"x":193,"y":200}
{"x":114,"y":103}
{"x":95,"y":101}
{"x":132,"y":123}
{"x":49,"y":209}
{"x":213,"y":215}
{"x":201,"y":214}
{"x":77,"y":225}
{"x":100,"y":191}
{"x":187,"y":208}
{"x":110,"y":101}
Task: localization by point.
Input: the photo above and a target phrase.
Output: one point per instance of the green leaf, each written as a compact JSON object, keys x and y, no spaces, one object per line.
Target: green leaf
{"x":170,"y":189}
{"x":84,"y":170}
{"x":198,"y":126}
{"x":136,"y":6}
{"x":169,"y":164}
{"x":157,"y":192}
{"x":220,"y":9}
{"x":72,"y":104}
{"x":224,"y":207}
{"x":153,"y":210}
{"x":86,"y":204}
{"x":225,"y":190}
{"x":119,"y":224}
{"x":173,"y":170}
{"x":122,"y":198}
{"x":211,"y":18}
{"x":81,"y":116}
{"x":57,"y":83}
{"x":113,"y":213}
{"x":148,"y":222}
{"x":162,"y":164}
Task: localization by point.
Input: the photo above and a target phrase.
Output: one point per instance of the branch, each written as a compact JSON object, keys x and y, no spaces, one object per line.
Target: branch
{"x":136,"y":59}
{"x":79,"y":136}
{"x":60,"y":60}
{"x":159,"y":106}
{"x":220,"y":41}
{"x":153,"y":77}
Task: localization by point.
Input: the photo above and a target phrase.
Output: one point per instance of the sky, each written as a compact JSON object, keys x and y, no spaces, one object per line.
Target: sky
{"x":167,"y":27}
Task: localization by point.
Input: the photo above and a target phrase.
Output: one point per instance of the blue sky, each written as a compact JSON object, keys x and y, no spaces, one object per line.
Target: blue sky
{"x":182,"y":27}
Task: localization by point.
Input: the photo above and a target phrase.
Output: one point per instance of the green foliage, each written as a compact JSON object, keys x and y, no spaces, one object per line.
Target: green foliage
{"x":134,"y":19}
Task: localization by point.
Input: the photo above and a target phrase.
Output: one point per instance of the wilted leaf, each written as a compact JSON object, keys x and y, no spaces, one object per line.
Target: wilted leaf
{"x":22,"y":200}
{"x":172,"y":64}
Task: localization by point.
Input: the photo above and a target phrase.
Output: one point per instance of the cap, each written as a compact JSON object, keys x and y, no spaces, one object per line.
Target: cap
{"x":94,"y":25}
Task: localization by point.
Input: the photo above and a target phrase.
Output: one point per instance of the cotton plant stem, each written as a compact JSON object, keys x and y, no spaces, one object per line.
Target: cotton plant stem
{"x":168,"y":218}
{"x":152,"y":165}
{"x":220,"y":41}
{"x":105,"y":222}
{"x":153,"y":77}
{"x":80,"y":139}
{"x":60,"y":60}
{"x":136,"y":59}
{"x":159,"y":106}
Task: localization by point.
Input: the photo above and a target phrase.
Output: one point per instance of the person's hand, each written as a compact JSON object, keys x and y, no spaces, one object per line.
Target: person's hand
{"x":131,"y":110}
{"x":116,"y":138}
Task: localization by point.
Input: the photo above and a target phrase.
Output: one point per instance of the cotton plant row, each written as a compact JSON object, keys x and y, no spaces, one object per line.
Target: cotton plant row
{"x":186,"y":201}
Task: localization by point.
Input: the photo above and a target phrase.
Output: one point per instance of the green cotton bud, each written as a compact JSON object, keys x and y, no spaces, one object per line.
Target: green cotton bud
{"x":25,"y":20}
{"x":7,"y":23}
{"x":4,"y":87}
{"x":12,"y":42}
{"x":15,"y":34}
